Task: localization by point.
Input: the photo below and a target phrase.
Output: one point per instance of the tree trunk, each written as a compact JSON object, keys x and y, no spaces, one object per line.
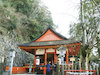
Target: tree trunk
{"x":87,"y":60}
{"x":80,"y":62}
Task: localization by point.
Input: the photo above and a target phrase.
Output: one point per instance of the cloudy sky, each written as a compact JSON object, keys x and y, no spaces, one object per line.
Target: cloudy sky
{"x":64,"y":12}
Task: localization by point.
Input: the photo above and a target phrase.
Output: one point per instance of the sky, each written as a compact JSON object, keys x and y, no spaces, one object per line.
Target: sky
{"x":64,"y":13}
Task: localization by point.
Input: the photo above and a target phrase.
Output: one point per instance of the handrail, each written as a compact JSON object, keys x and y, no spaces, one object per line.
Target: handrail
{"x":80,"y":71}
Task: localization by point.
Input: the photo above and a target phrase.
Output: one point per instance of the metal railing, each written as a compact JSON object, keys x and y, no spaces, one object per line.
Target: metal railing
{"x":80,"y":72}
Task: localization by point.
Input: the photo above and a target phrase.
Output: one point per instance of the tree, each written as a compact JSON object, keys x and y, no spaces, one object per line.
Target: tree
{"x":23,"y":18}
{"x":21,"y":21}
{"x":89,"y":26}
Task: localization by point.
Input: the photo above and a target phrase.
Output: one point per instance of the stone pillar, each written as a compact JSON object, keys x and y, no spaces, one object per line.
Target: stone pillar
{"x":62,"y":65}
{"x":4,"y":64}
{"x":12,"y":55}
{"x":58,"y":68}
{"x":30,"y":67}
{"x":1,"y":65}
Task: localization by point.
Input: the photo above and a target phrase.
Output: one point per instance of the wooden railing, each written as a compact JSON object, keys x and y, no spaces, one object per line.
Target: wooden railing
{"x":80,"y":72}
{"x":17,"y":70}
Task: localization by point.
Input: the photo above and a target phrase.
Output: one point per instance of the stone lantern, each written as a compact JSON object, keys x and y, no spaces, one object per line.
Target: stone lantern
{"x":1,"y":64}
{"x":11,"y":56}
{"x":62,"y":51}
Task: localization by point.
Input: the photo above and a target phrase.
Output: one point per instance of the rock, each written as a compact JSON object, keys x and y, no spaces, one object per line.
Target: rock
{"x":8,"y":42}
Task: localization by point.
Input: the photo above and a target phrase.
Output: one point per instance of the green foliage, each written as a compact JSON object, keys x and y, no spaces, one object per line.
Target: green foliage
{"x":90,"y":22}
{"x":26,"y":19}
{"x":76,"y":31}
{"x":98,"y":45}
{"x":90,"y":26}
{"x":93,"y":58}
{"x":97,"y":1}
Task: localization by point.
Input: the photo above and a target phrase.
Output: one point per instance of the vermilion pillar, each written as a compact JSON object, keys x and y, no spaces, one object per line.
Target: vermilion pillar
{"x":45,"y":61}
{"x":67,"y":56}
{"x":55,"y":57}
{"x":34,"y":60}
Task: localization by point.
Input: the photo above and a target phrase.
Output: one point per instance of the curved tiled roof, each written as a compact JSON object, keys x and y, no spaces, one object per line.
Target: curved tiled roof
{"x":49,"y":43}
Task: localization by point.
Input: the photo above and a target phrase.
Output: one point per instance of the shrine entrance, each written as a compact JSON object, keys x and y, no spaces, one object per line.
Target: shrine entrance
{"x":50,"y":58}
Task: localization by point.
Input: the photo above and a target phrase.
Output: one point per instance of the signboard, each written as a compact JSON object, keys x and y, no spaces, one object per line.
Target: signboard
{"x":37,"y":61}
{"x":72,"y":59}
{"x":40,"y":51}
{"x":50,"y":50}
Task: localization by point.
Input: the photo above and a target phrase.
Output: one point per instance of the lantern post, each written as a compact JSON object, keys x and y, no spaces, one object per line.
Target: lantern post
{"x":62,"y":51}
{"x":1,"y":64}
{"x":11,"y":56}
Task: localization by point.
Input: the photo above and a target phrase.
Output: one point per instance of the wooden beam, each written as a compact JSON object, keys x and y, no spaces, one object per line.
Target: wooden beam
{"x":53,"y":46}
{"x":70,"y":46}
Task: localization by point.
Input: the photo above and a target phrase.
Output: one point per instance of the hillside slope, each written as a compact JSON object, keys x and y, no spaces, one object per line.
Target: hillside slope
{"x":21,"y":21}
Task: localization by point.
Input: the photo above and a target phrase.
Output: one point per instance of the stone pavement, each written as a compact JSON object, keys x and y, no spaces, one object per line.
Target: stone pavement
{"x":27,"y":74}
{"x":6,"y":73}
{"x":24,"y":74}
{"x":30,"y":74}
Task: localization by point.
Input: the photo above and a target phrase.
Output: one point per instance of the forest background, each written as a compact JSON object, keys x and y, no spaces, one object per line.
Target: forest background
{"x":21,"y":21}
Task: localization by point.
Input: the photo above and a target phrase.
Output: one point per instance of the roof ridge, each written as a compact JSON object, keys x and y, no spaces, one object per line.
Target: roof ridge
{"x":52,"y":29}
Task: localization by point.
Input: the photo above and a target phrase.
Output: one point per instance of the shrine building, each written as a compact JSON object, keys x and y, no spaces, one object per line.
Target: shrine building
{"x":45,"y":48}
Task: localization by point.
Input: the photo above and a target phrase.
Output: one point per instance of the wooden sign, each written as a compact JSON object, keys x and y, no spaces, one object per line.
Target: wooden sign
{"x":50,"y":50}
{"x":72,"y":59}
{"x":40,"y":51}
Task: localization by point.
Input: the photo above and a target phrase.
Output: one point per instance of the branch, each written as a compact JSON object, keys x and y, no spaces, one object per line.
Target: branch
{"x":96,"y":6}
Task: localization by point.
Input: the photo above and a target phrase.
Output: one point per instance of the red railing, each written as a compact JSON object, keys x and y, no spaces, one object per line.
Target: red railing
{"x":17,"y":70}
{"x":80,"y":71}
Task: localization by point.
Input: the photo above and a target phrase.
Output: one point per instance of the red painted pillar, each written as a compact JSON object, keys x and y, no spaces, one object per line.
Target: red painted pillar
{"x":67,"y":56}
{"x":34,"y":60}
{"x":94,"y":72}
{"x":55,"y":57}
{"x":65,"y":72}
{"x":45,"y":61}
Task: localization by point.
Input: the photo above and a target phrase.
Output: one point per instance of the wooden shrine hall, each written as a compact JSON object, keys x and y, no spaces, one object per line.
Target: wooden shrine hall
{"x":46,"y":47}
